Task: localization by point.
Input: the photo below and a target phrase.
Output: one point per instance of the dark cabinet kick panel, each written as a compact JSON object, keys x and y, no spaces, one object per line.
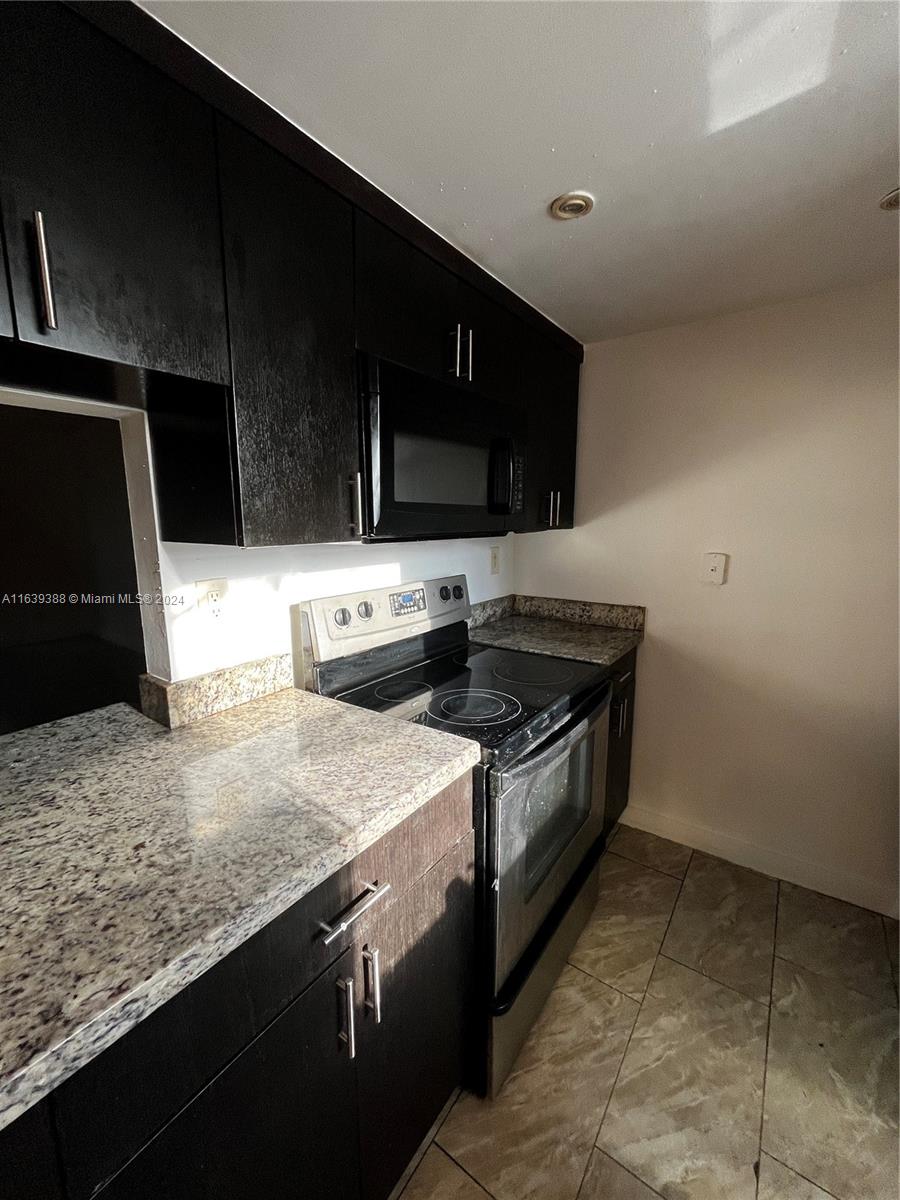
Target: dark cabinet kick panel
{"x":289,"y":268}
{"x":279,"y":1122}
{"x":120,"y":162}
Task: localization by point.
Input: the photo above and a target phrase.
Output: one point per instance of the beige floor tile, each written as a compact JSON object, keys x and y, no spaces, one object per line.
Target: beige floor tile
{"x":620,"y":942}
{"x":437,"y":1177}
{"x":831,"y":1085}
{"x":776,"y":1182}
{"x":533,"y":1142}
{"x":652,"y":851}
{"x":834,"y":939}
{"x":606,"y":1180}
{"x":892,"y":933}
{"x":724,"y":925}
{"x":685,"y":1112}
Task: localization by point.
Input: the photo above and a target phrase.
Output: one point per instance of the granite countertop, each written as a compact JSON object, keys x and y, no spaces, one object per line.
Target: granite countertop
{"x":600,"y":644}
{"x":135,"y":857}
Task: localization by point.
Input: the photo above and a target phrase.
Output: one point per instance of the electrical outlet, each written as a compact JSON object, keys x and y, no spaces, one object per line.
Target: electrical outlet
{"x":210,"y":596}
{"x":495,"y":560}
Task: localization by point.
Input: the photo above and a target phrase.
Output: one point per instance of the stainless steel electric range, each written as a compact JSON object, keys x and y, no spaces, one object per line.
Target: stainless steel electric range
{"x":539,"y":795}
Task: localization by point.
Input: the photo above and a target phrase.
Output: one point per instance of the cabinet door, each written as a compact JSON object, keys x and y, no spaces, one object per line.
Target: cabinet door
{"x":407,"y":305}
{"x":28,"y":1158}
{"x":496,"y":342}
{"x":410,"y":1062}
{"x":550,"y":387}
{"x":289,"y":268}
{"x":120,"y":162}
{"x":279,"y":1122}
{"x":618,"y":766}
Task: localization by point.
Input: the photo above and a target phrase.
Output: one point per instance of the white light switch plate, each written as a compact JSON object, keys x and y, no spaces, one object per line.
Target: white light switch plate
{"x":715,"y":568}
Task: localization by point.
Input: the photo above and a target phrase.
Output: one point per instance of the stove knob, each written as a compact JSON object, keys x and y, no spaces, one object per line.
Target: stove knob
{"x":457,"y":592}
{"x":342,"y":617}
{"x":365,"y":609}
{"x":445,"y":593}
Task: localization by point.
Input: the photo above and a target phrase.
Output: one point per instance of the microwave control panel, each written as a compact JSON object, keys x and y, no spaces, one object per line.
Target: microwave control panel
{"x":404,"y":603}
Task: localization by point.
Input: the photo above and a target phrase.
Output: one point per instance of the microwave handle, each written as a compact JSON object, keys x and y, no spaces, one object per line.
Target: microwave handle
{"x":502,"y":472}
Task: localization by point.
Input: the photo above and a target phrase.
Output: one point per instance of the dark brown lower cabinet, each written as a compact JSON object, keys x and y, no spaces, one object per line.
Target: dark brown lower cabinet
{"x":621,"y":729}
{"x":279,"y":1122}
{"x":296,"y":1115}
{"x":29,"y":1164}
{"x":410,"y":1061}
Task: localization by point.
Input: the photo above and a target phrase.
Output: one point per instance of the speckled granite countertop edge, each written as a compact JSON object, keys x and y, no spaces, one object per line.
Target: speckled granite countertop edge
{"x":28,"y":1083}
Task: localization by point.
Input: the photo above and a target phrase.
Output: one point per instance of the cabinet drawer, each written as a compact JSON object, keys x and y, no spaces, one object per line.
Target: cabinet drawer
{"x":117,"y":1102}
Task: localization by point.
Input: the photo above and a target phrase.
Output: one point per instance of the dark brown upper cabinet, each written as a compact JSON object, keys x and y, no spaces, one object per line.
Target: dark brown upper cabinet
{"x":289,"y":272}
{"x":549,"y":389}
{"x":109,"y":200}
{"x":407,"y":305}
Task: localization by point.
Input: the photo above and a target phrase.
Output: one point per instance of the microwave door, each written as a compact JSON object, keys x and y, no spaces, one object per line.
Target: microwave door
{"x":436,"y":465}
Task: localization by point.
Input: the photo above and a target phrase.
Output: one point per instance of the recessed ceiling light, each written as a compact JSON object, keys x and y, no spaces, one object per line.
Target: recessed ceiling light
{"x":891,"y":201}
{"x":572,"y":204}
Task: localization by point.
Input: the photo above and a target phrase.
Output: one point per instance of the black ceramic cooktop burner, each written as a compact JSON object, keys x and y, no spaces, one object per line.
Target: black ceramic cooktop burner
{"x":473,"y":706}
{"x":534,"y":671}
{"x":460,"y":691}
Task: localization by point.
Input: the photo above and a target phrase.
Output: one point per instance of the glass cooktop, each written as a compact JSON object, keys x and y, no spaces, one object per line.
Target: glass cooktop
{"x":481,"y":692}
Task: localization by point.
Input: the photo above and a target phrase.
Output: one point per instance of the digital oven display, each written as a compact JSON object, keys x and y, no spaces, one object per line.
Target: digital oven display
{"x":403,"y":603}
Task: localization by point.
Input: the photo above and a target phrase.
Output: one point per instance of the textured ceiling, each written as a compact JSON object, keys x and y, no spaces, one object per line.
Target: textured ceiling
{"x":737,"y":151}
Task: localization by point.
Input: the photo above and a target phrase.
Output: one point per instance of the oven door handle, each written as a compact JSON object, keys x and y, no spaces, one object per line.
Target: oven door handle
{"x":586,"y":715}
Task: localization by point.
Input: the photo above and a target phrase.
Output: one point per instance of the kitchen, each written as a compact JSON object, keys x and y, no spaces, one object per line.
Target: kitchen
{"x":359,"y":455}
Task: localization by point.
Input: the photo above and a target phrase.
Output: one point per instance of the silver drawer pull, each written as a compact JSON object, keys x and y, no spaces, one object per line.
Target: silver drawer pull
{"x":624,"y":678}
{"x":371,"y":896}
{"x":48,"y":303}
{"x":347,"y":1035}
{"x":372,"y":968}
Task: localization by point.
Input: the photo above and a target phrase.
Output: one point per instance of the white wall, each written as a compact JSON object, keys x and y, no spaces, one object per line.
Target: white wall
{"x":262,"y":584}
{"x":766,"y":723}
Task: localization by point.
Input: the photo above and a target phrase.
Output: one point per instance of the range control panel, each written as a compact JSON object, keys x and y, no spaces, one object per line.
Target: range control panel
{"x":336,"y":626}
{"x":404,"y":603}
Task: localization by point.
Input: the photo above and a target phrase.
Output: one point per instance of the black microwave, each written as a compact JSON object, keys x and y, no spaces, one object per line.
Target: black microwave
{"x":439,"y":459}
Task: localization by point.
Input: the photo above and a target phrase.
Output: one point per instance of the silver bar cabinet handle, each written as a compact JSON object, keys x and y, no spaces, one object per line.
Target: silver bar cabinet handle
{"x":372,"y":970}
{"x":357,"y":484}
{"x":471,"y":338}
{"x":47,"y":301}
{"x":371,"y":896}
{"x":347,"y":1035}
{"x":558,"y":507}
{"x":458,"y":348}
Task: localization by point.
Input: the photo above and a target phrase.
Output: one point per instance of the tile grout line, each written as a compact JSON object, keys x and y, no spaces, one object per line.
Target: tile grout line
{"x":729,"y":987}
{"x":627,"y":1171}
{"x":612,"y":1090}
{"x":646,"y":866}
{"x":468,"y":1174}
{"x":762,"y":1107}
{"x":794,"y":1171}
{"x":836,"y":981}
{"x":596,"y":978}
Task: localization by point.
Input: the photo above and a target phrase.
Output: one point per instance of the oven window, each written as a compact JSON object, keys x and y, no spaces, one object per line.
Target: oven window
{"x":559,"y":803}
{"x":432,"y":471}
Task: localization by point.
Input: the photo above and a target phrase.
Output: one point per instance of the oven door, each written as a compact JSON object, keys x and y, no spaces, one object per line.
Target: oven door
{"x":546,"y":812}
{"x":439,"y":460}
